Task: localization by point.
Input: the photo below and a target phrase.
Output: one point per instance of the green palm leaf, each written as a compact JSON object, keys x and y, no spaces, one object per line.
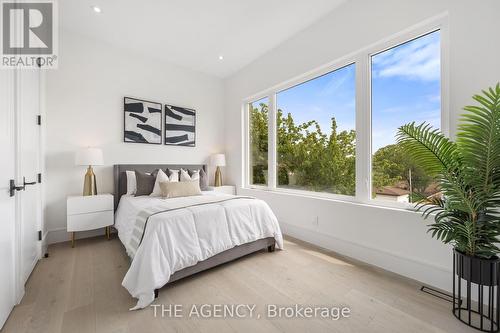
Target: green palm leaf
{"x":430,"y":148}
{"x":468,"y":172}
{"x":479,"y":141}
{"x":438,"y":156}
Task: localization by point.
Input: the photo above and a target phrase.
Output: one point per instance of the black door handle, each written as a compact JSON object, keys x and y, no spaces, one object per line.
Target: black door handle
{"x":13,"y":188}
{"x":24,"y":182}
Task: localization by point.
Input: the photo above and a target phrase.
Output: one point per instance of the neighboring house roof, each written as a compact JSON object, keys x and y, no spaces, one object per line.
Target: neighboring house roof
{"x":436,"y":195}
{"x":392,"y":191}
{"x":432,"y":189}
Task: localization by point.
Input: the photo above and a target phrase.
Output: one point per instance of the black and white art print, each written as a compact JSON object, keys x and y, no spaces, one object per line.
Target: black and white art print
{"x":142,"y":121}
{"x":180,"y":126}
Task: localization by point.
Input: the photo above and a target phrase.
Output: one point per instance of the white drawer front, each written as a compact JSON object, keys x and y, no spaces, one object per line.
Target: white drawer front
{"x":89,"y":204}
{"x":90,"y":221}
{"x":225,"y":189}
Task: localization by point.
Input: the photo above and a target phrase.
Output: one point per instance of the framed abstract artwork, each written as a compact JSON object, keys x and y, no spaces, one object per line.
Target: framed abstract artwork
{"x":180,"y":126}
{"x":142,"y":121}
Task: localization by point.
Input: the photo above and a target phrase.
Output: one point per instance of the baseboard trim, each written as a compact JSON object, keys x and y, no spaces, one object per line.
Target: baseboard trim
{"x":430,"y":274}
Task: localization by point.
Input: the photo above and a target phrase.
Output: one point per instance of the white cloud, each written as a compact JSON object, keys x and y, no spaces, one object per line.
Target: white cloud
{"x":432,"y":117}
{"x":416,"y":60}
{"x":382,"y":137}
{"x":434,"y":98}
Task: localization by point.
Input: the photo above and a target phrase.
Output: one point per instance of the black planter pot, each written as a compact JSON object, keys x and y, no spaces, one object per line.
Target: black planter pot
{"x":477,"y":270}
{"x":478,"y":277}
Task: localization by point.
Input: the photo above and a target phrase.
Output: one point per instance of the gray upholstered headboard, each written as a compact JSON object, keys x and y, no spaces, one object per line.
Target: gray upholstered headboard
{"x":120,"y":177}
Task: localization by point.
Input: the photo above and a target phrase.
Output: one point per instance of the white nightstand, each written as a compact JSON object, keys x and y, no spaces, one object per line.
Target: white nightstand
{"x":226,"y":189}
{"x":89,"y":213}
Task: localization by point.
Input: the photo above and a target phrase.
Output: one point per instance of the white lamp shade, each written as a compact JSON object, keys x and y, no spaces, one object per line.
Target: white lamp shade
{"x":218,"y":160}
{"x":89,"y":156}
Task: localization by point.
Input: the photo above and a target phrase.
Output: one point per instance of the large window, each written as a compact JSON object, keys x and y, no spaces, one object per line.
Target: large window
{"x":258,"y":121}
{"x":315,"y":134}
{"x":334,"y":133}
{"x":405,"y":88}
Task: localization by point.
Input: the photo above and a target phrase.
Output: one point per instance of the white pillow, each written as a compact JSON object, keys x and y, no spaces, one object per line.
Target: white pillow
{"x":160,"y":178}
{"x":185,"y":177}
{"x":174,"y":174}
{"x":131,"y":182}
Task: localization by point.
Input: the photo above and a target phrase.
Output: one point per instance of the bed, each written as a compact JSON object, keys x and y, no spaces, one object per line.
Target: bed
{"x":169,"y":239}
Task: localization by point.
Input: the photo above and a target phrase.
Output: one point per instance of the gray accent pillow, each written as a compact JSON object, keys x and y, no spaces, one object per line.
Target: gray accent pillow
{"x":145,"y":182}
{"x":203,"y":179}
{"x":169,"y":172}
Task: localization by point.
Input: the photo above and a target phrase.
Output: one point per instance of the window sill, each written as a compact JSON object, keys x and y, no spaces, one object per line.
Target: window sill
{"x":336,"y":198}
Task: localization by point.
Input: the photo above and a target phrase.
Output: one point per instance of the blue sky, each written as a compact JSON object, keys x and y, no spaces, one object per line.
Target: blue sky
{"x":405,"y":88}
{"x":332,"y":94}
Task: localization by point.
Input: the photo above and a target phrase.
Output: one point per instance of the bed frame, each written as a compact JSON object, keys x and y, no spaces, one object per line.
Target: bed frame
{"x":120,"y":185}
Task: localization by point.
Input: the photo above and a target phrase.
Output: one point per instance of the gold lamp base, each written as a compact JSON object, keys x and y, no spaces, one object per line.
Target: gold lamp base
{"x":218,"y":177}
{"x":89,"y":185}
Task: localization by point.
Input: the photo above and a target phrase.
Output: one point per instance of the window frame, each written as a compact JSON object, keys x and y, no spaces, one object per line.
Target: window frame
{"x":272,"y":149}
{"x":444,"y":125}
{"x":247,"y":159}
{"x":363,"y":113}
{"x":324,"y":71}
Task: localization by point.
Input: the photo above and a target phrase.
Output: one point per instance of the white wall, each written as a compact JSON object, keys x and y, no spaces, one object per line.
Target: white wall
{"x":393,"y":239}
{"x":84,"y":107}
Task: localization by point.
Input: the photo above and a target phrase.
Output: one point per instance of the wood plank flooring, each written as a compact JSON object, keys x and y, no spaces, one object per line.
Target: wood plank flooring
{"x":79,"y":290}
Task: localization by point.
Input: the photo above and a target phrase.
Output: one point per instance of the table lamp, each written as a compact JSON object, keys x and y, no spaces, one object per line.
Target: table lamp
{"x":218,"y":160}
{"x":89,"y":157}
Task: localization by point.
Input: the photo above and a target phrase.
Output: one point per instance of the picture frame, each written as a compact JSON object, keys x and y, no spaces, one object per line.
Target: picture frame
{"x":179,"y":126}
{"x":142,"y":121}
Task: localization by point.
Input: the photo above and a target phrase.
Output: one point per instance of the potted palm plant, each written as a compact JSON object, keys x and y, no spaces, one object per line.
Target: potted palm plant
{"x":466,"y":215}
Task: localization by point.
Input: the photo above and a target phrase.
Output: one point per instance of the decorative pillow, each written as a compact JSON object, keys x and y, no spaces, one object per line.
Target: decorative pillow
{"x":180,"y":189}
{"x":145,"y":182}
{"x":189,"y":175}
{"x":204,"y":185}
{"x":162,"y":177}
{"x":203,"y":180}
{"x":173,"y":174}
{"x":131,"y":182}
{"x":201,"y":175}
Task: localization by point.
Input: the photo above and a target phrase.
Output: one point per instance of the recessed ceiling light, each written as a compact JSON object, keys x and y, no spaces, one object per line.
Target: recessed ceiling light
{"x":96,"y":9}
{"x":221,"y":57}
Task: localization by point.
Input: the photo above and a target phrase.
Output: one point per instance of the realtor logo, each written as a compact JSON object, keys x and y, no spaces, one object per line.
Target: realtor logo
{"x":29,"y":36}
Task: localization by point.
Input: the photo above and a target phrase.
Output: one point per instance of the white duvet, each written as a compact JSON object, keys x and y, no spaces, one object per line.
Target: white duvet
{"x":177,"y":239}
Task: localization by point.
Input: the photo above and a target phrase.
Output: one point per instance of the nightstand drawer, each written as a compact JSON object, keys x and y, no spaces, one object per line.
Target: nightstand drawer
{"x":90,"y":221}
{"x":226,"y":189}
{"x":89,"y":204}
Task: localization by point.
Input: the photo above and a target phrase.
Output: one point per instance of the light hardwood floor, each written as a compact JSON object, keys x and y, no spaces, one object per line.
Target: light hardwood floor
{"x":79,"y":290}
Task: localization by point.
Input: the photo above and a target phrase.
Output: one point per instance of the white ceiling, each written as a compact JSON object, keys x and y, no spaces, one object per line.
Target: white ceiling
{"x":193,"y":33}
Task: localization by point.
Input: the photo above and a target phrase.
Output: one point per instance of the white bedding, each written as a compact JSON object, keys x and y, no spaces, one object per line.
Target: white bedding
{"x":177,"y":239}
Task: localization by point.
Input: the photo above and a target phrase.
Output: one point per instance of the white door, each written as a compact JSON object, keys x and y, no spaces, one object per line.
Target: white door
{"x":20,"y":213}
{"x":29,"y":166}
{"x":7,"y":203}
